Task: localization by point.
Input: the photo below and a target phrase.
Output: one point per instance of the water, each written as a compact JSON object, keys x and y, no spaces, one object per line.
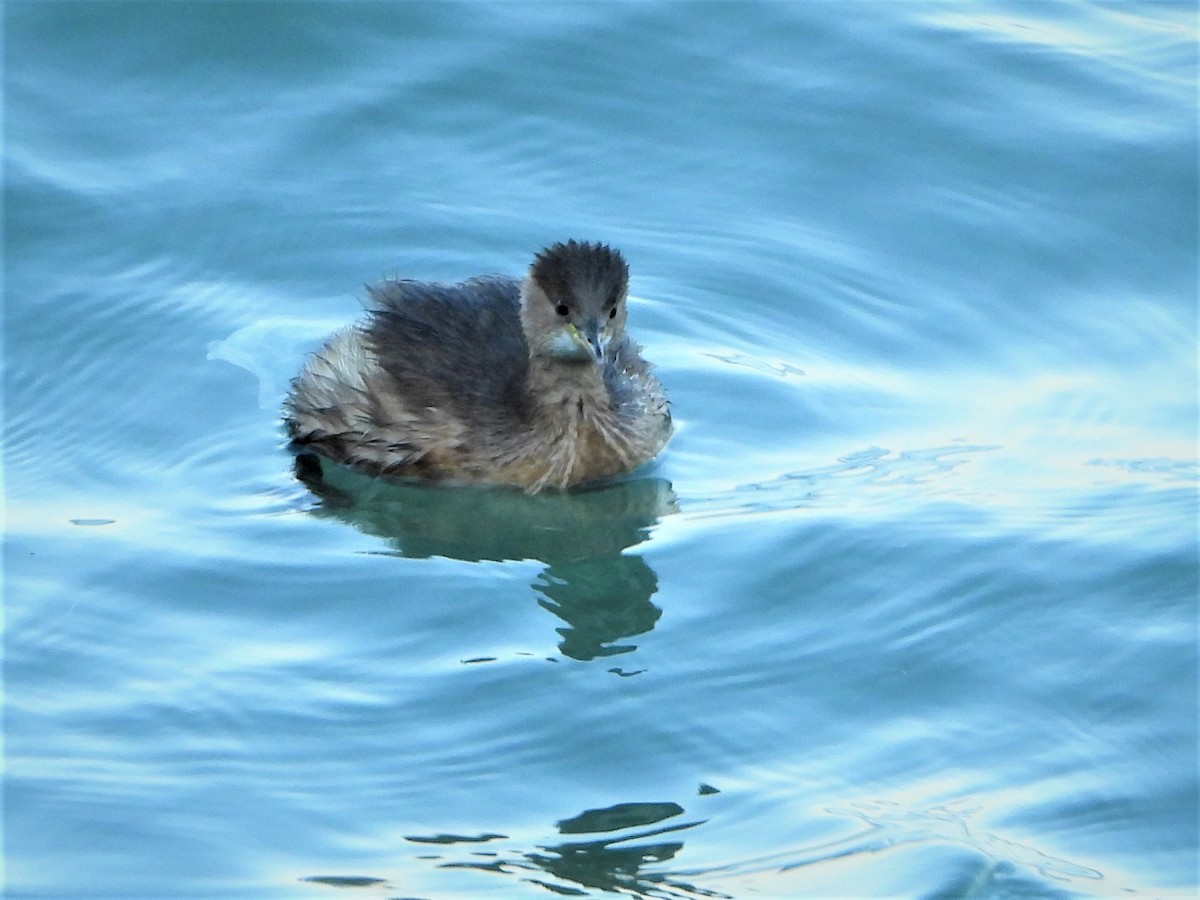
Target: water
{"x":907,"y":608}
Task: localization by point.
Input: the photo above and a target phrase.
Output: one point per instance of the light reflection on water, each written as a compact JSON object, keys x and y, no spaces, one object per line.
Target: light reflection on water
{"x":600,"y":591}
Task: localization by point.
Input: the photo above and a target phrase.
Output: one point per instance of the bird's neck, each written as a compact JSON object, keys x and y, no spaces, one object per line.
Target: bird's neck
{"x":581,"y":433}
{"x":571,"y":388}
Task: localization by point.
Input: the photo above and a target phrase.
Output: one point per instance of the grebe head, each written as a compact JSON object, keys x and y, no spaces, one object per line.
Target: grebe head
{"x":573,"y":302}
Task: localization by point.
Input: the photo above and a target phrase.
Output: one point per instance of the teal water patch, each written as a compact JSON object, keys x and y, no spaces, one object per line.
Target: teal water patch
{"x":906,"y":608}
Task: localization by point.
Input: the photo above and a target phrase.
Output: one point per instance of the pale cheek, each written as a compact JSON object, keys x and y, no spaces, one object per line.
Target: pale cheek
{"x":560,"y":345}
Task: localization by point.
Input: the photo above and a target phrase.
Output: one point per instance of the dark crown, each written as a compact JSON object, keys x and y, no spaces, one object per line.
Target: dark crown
{"x":562,"y":268}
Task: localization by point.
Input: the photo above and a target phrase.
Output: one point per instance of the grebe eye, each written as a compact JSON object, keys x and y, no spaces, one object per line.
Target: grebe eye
{"x":612,"y":313}
{"x":562,"y":309}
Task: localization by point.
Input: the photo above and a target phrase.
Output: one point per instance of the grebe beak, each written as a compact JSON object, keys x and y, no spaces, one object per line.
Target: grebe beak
{"x":589,"y":338}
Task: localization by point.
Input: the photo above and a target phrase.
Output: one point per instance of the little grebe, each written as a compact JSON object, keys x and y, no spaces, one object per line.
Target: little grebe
{"x":495,"y":380}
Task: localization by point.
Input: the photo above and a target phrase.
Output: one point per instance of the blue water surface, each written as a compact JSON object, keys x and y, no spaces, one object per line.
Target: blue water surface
{"x":908,"y":606}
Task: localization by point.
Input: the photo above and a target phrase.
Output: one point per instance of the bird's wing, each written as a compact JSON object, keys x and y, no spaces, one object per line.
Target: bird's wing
{"x":458,"y":348}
